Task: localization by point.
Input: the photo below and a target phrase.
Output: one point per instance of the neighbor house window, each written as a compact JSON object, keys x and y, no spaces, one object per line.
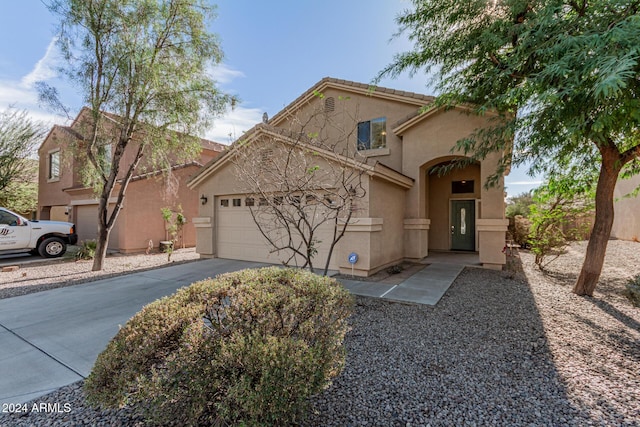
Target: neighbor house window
{"x":54,"y":165}
{"x":237,"y":202}
{"x":249,"y":201}
{"x":372,"y":134}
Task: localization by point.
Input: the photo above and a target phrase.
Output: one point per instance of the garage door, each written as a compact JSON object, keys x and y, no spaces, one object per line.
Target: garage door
{"x":238,"y":236}
{"x":87,"y":225}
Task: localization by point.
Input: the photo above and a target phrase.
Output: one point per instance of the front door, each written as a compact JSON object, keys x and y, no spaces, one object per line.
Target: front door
{"x":463,"y":225}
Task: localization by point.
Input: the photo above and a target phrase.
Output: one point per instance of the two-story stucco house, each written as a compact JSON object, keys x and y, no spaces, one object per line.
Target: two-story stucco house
{"x":62,"y":195}
{"x":407,"y":212}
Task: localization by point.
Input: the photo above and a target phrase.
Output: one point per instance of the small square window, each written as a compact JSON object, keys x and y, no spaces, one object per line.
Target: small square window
{"x":277,"y":200}
{"x":372,"y":134}
{"x":237,"y":202}
{"x":224,"y":203}
{"x":249,"y":201}
{"x":262,"y":202}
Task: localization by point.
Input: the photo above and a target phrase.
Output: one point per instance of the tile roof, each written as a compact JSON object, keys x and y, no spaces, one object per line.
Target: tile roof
{"x":417,"y":98}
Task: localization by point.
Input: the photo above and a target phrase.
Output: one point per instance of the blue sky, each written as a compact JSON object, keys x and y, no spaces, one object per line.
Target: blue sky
{"x":274,"y":51}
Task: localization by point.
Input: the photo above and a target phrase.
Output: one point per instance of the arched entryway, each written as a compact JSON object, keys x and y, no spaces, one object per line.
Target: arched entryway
{"x":452,"y":204}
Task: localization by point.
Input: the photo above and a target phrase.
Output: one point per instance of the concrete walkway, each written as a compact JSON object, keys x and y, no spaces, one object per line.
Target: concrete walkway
{"x":426,"y":286}
{"x":50,"y":339}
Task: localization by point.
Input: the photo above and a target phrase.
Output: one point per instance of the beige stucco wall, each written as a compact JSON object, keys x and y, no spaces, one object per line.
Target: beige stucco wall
{"x":376,"y":233}
{"x":353,"y":108}
{"x":626,"y":224}
{"x":397,"y":223}
{"x":226,"y":182}
{"x":428,"y":143}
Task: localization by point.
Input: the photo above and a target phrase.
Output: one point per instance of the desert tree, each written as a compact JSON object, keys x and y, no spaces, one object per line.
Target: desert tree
{"x":143,"y":67}
{"x":305,"y":181}
{"x":563,"y":75}
{"x":558,"y":212}
{"x":19,"y":136}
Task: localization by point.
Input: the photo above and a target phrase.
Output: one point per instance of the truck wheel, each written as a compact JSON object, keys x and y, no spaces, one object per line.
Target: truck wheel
{"x":52,"y":247}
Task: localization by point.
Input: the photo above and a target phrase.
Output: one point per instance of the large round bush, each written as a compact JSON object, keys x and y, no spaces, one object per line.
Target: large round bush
{"x":248,"y":347}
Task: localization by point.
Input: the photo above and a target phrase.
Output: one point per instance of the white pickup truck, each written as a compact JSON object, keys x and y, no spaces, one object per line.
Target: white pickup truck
{"x":47,"y":238}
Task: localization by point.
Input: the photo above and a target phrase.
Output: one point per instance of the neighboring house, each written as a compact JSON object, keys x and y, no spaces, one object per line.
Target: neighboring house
{"x":407,"y":211}
{"x":626,"y":223}
{"x":62,"y":195}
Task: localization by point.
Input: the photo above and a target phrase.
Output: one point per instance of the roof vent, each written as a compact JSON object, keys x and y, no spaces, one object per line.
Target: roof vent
{"x":329,"y":104}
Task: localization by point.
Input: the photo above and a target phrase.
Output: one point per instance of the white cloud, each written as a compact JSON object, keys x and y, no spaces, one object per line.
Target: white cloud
{"x":45,"y":68}
{"x":535,"y":182}
{"x":22,"y":94}
{"x":233,"y":124}
{"x":224,"y":74}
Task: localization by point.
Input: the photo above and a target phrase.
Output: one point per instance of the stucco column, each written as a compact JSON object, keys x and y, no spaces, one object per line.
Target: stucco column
{"x":204,"y":236}
{"x":359,"y":238}
{"x":491,"y":236}
{"x":492,"y":225}
{"x":416,"y":238}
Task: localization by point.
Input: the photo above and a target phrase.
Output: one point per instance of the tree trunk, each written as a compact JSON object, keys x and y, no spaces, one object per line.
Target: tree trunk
{"x":101,"y":248}
{"x":597,"y":247}
{"x":103,"y":231}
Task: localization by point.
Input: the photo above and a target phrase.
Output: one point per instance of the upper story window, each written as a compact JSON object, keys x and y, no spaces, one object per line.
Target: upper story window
{"x":54,"y":165}
{"x":372,"y":134}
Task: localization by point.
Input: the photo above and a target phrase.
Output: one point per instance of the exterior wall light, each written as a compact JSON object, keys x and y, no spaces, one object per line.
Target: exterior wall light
{"x":203,"y":199}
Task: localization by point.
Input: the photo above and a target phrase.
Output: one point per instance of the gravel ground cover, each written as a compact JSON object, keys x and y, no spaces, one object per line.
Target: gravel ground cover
{"x":59,"y":273}
{"x":512,"y":348}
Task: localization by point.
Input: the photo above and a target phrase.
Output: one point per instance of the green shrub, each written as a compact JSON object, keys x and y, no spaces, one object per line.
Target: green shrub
{"x":519,"y":229}
{"x":633,"y":290}
{"x":248,"y":347}
{"x":87,"y":250}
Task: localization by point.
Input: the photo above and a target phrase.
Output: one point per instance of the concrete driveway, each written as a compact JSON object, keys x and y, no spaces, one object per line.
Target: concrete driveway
{"x":51,"y":339}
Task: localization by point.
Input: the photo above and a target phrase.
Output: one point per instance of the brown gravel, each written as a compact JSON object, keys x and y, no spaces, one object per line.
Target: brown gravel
{"x":60,"y":273}
{"x":511,"y":348}
{"x":595,"y":342}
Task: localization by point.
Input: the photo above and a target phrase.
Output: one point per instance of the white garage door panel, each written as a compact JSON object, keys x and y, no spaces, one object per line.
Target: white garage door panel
{"x":239,"y":238}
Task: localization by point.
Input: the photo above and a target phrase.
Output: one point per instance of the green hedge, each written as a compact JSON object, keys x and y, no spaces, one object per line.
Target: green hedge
{"x":248,"y":347}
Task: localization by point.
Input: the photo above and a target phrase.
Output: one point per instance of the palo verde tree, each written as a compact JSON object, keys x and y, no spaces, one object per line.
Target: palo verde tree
{"x":564,"y":76}
{"x":146,"y":63}
{"x":304,"y":181}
